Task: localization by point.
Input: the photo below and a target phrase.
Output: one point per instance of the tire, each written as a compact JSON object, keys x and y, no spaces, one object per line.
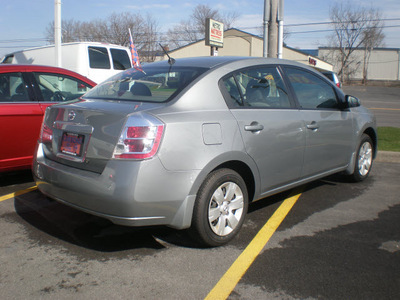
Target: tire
{"x":220,"y":208}
{"x":364,"y":158}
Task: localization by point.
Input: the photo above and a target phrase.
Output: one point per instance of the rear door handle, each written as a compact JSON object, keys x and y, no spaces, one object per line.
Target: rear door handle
{"x":313,"y":126}
{"x":254,"y":127}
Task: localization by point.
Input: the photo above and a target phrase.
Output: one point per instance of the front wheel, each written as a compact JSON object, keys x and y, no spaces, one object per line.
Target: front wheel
{"x":220,"y":208}
{"x":364,"y":157}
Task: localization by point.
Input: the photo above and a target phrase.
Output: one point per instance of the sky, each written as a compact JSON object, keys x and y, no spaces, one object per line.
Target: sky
{"x":23,"y":22}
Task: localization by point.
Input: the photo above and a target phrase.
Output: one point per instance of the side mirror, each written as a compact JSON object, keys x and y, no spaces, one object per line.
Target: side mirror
{"x":352,"y":101}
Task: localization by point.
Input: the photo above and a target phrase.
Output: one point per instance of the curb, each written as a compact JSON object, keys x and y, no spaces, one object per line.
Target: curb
{"x":388,"y":156}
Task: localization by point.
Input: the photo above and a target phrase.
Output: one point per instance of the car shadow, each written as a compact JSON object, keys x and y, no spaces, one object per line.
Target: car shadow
{"x":15,"y":177}
{"x":75,"y":229}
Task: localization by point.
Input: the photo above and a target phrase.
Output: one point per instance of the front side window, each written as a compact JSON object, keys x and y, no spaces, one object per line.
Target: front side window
{"x":154,"y":84}
{"x":311,"y":91}
{"x":258,"y":88}
{"x":98,"y":58}
{"x":13,"y":88}
{"x":58,"y":87}
{"x":120,"y":59}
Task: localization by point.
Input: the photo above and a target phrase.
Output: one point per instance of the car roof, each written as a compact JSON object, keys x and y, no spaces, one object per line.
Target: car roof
{"x":39,"y":68}
{"x":212,"y":62}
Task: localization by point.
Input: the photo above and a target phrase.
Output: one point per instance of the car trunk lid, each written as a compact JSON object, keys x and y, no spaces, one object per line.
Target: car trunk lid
{"x":84,"y":134}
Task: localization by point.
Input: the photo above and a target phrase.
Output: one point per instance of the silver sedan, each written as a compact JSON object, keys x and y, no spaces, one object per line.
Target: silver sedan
{"x":189,"y":143}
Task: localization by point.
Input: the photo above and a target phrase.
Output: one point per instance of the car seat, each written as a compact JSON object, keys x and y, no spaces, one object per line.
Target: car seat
{"x":140,"y":89}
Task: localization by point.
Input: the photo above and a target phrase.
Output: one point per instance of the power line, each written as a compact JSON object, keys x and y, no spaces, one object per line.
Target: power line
{"x":30,"y":40}
{"x":242,"y":28}
{"x":332,"y":30}
{"x":329,"y":23}
{"x":43,"y":39}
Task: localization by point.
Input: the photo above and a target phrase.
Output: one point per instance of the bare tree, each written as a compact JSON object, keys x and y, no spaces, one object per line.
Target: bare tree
{"x":150,"y":39}
{"x":353,"y":28}
{"x":71,"y":30}
{"x":113,"y":30}
{"x":193,"y":28}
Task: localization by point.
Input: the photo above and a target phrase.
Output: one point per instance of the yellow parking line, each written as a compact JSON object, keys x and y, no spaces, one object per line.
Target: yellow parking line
{"x":12,"y":195}
{"x":227,"y":283}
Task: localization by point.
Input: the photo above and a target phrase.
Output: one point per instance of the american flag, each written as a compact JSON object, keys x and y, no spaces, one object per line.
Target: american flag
{"x":135,"y":55}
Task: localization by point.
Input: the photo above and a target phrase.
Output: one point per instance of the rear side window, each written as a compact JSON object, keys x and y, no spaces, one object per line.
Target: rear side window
{"x":98,"y":58}
{"x":231,"y":86}
{"x":311,"y":91}
{"x":58,"y":87}
{"x":120,"y":59}
{"x":261,"y":87}
{"x":13,"y":88}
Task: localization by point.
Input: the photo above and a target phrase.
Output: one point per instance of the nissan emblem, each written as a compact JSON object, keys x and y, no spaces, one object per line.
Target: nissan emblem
{"x":71,"y":115}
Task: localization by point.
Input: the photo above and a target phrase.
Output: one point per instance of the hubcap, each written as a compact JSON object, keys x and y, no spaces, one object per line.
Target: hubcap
{"x":226,"y":208}
{"x":365,"y":159}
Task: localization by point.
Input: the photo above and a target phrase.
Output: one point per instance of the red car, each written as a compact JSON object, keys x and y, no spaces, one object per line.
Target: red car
{"x":25,"y":93}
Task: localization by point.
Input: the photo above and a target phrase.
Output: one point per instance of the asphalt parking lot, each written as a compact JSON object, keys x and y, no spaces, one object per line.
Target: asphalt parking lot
{"x":339,"y":241}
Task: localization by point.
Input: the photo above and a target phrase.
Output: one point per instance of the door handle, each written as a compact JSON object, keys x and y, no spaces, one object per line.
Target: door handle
{"x":313,"y":126}
{"x":254,"y":127}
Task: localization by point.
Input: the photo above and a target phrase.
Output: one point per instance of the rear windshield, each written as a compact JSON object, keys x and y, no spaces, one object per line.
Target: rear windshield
{"x":154,"y":84}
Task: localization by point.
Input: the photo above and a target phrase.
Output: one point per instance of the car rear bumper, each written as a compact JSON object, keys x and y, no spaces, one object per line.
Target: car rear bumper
{"x":132,"y":193}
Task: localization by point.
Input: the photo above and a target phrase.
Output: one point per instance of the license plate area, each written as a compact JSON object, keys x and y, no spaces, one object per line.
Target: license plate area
{"x":72,"y":144}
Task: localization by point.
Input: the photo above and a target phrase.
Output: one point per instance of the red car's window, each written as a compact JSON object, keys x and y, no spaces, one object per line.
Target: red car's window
{"x":13,"y":88}
{"x":59,"y":87}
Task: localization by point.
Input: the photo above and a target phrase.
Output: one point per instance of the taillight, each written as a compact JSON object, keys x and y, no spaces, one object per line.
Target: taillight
{"x":46,"y":134}
{"x":139,"y":142}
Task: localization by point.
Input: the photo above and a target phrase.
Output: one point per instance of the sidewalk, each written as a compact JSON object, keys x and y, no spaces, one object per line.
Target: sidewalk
{"x":388,"y":156}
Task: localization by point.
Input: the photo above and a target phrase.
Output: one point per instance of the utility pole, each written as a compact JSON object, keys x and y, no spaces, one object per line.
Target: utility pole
{"x":280,"y":28}
{"x":267,"y":16}
{"x":273,"y":31}
{"x":57,"y":32}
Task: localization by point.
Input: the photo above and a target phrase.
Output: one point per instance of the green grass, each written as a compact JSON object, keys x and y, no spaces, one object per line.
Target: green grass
{"x":389,"y":139}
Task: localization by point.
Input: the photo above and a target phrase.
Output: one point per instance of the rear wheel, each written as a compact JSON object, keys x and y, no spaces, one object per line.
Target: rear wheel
{"x":364,"y":156}
{"x":220,"y":208}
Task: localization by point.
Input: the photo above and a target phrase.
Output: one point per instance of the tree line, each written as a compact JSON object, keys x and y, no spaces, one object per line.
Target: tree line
{"x":146,"y":32}
{"x":353,"y":27}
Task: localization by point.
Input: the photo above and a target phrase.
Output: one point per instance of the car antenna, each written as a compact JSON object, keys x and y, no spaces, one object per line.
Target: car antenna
{"x":171,"y":60}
